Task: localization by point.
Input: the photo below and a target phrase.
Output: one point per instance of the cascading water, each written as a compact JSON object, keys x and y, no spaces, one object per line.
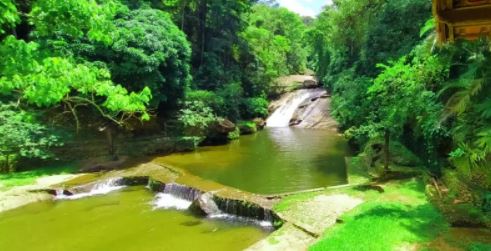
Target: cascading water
{"x":105,"y":187}
{"x":283,"y":114}
{"x":175,"y":196}
{"x":180,"y":197}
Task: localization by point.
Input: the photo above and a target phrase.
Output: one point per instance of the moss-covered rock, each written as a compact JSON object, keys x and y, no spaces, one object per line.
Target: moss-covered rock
{"x":247,"y":127}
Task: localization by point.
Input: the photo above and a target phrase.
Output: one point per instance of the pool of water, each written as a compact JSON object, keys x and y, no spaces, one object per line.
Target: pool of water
{"x":275,"y":160}
{"x":122,"y":220}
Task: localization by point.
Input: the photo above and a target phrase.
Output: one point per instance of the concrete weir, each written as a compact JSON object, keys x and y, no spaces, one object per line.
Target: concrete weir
{"x":223,"y":203}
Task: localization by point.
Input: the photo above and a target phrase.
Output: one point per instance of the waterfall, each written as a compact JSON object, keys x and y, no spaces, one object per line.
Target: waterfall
{"x":176,"y":196}
{"x":97,"y":189}
{"x":288,"y":105}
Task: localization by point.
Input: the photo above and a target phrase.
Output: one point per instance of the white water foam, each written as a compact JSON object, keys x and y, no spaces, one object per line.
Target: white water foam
{"x":281,"y":117}
{"x":169,"y":201}
{"x":98,"y":189}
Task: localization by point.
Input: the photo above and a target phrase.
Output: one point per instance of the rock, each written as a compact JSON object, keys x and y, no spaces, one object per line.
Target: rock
{"x":204,"y":205}
{"x":260,"y":123}
{"x":224,"y":126}
{"x":310,"y":83}
{"x":98,"y":165}
{"x":247,"y":127}
{"x":295,"y":122}
{"x":218,"y":133}
{"x":303,"y":105}
{"x":326,"y":95}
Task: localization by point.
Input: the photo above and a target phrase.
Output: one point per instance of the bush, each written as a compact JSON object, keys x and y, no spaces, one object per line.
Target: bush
{"x":208,"y":98}
{"x":235,"y":134}
{"x":247,"y":127}
{"x":196,"y":118}
{"x":231,"y":95}
{"x":22,"y":136}
{"x":255,"y":107}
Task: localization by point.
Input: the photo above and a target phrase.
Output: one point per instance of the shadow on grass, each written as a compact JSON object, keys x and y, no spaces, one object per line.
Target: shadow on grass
{"x":424,"y":221}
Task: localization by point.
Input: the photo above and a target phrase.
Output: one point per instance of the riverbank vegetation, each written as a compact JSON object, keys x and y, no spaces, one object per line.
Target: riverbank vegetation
{"x":207,"y":68}
{"x":87,"y":66}
{"x":391,"y":81}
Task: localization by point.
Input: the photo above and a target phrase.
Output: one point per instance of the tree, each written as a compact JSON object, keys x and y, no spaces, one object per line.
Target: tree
{"x":21,"y":135}
{"x":34,"y":79}
{"x":8,"y":15}
{"x":403,"y":93}
{"x":148,"y":50}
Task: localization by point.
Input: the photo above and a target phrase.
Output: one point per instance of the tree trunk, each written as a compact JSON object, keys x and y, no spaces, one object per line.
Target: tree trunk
{"x":386,"y":150}
{"x":203,"y":15}
{"x":110,"y":142}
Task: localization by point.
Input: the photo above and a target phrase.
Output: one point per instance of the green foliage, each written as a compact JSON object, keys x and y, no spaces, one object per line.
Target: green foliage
{"x":8,"y":15}
{"x":247,"y":127}
{"x":351,"y":104}
{"x":275,"y":36}
{"x":196,"y":117}
{"x":21,"y":135}
{"x":255,"y":107}
{"x":231,"y":95}
{"x":468,"y":101}
{"x":149,"y":50}
{"x":74,"y":18}
{"x":209,"y":98}
{"x":356,"y":35}
{"x":50,"y":81}
{"x":234,"y":135}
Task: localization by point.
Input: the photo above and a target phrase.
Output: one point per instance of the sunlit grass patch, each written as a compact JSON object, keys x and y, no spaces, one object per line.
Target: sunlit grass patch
{"x":383,"y":226}
{"x":29,"y":177}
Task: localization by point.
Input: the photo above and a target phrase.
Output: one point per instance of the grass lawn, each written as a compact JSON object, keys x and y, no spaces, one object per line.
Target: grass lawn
{"x":399,"y":217}
{"x":29,"y":177}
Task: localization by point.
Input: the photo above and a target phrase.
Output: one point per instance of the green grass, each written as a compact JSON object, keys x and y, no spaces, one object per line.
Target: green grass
{"x":398,"y":217}
{"x":29,"y":177}
{"x":383,"y":226}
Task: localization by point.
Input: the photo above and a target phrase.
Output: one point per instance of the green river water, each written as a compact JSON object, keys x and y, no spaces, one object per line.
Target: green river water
{"x":275,"y":160}
{"x":122,"y":220}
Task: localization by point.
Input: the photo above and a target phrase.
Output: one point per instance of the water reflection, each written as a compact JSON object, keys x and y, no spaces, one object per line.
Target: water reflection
{"x":273,"y":161}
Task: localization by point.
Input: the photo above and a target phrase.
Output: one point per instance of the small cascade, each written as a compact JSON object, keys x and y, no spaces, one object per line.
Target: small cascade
{"x":176,"y":196}
{"x":179,"y":197}
{"x":283,"y":114}
{"x":244,"y":211}
{"x":105,"y":187}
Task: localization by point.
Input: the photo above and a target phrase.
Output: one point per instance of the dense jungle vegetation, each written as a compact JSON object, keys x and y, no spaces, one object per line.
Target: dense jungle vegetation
{"x":76,"y":64}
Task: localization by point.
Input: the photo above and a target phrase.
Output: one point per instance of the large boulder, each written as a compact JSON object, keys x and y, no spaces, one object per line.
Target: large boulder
{"x":218,"y":132}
